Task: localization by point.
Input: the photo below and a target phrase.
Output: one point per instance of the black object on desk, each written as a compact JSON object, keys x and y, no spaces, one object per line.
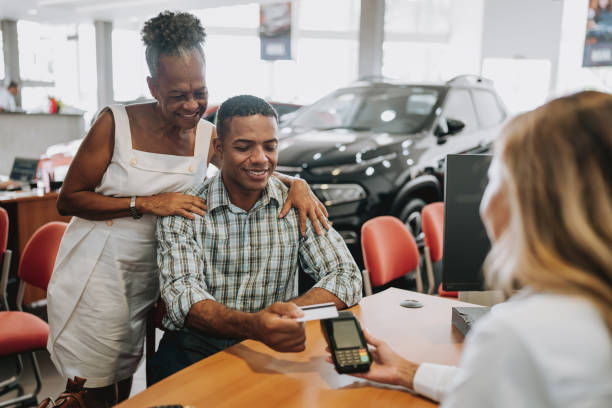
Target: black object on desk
{"x":24,"y":169}
{"x":464,"y":317}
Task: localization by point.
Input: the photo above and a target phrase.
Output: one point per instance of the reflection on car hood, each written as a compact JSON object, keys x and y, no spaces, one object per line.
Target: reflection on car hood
{"x":339,"y":146}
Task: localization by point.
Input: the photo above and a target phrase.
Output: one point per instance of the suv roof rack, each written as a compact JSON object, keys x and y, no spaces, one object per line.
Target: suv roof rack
{"x":469,"y":80}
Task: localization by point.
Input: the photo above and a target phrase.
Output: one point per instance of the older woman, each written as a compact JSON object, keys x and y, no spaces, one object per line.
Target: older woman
{"x":548,"y":212}
{"x":132,"y":167}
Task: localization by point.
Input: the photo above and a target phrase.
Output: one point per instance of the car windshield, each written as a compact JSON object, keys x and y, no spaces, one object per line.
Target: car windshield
{"x":391,"y":110}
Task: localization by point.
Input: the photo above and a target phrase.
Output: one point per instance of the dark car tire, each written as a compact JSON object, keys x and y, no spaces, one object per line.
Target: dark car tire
{"x":411,"y":216}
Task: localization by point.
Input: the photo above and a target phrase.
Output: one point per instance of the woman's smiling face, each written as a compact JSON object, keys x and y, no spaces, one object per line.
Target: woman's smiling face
{"x":180,"y":89}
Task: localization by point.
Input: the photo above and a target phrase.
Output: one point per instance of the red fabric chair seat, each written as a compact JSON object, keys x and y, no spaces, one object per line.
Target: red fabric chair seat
{"x":444,"y":293}
{"x":21,"y":332}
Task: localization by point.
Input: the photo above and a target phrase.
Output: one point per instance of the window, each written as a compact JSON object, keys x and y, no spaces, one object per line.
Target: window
{"x":522,"y":84}
{"x":129,"y":66}
{"x":39,"y":45}
{"x":2,"y":74}
{"x":56,"y":60}
{"x":488,"y":109}
{"x":325,"y":15}
{"x":418,"y":16}
{"x":459,"y":106}
{"x":432,"y":40}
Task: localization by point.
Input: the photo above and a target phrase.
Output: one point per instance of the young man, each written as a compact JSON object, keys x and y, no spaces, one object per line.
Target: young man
{"x":231,"y":274}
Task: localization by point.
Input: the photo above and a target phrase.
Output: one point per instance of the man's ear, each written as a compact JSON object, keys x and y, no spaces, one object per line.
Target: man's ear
{"x":218,"y":146}
{"x":152,"y":86}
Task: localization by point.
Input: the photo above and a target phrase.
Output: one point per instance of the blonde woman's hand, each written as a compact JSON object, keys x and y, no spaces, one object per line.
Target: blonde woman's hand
{"x":172,"y":204}
{"x":388,"y":367}
{"x":308,"y":205}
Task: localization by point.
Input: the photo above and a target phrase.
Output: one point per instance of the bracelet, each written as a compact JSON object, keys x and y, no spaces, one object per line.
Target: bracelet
{"x":135,"y":214}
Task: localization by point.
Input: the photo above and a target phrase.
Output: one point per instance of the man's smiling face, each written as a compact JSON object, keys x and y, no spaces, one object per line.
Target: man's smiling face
{"x":249,"y":152}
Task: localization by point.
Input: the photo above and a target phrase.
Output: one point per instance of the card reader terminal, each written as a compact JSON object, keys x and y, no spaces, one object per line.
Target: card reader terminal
{"x":348,"y":347}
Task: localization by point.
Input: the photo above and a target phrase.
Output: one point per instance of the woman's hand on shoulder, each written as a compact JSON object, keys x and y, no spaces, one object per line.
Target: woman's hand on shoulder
{"x":308,"y":205}
{"x":172,"y":204}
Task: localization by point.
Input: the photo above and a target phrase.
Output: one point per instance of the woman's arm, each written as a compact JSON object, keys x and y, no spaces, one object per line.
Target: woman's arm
{"x":305,"y":201}
{"x":77,"y":196}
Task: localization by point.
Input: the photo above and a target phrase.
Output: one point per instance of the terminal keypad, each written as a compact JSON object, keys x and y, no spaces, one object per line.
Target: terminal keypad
{"x":352,"y":357}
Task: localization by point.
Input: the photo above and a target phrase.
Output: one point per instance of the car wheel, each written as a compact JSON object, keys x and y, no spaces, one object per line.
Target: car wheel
{"x":411,"y":217}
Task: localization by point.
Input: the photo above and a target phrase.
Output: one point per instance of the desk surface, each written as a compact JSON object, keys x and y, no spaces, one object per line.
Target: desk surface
{"x":251,"y":374}
{"x":23,"y":196}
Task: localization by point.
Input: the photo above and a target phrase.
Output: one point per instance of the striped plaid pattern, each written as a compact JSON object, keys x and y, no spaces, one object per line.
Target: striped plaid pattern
{"x":246,"y":260}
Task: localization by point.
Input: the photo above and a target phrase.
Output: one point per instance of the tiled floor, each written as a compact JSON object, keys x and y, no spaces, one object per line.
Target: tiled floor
{"x":52,"y":383}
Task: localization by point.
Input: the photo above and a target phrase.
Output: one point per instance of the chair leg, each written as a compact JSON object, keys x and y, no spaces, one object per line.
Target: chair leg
{"x":419,"y":279}
{"x":367,"y":284}
{"x":10,"y":382}
{"x":149,"y":346}
{"x":429,"y":269}
{"x":28,"y":399}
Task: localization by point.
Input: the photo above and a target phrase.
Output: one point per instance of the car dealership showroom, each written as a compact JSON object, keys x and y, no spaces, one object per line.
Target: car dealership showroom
{"x":306,"y":203}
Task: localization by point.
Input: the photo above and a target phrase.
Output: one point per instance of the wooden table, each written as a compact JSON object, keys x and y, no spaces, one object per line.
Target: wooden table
{"x":27,"y":212}
{"x":250,"y":374}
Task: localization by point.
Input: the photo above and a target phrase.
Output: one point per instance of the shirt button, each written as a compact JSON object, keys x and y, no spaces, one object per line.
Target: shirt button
{"x":191,"y":169}
{"x":133,"y":162}
{"x":109,"y":223}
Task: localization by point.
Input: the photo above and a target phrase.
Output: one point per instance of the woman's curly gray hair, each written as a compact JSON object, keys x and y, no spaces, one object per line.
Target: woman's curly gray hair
{"x":175,"y":34}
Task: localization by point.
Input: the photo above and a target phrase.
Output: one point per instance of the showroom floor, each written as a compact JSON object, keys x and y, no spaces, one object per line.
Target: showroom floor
{"x":52,"y":383}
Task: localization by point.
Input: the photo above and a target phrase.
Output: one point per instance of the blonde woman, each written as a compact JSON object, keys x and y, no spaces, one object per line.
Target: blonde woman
{"x":548,"y":212}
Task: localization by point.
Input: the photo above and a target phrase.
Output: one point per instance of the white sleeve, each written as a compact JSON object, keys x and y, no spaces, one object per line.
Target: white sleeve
{"x":433,"y":380}
{"x":496,"y":370}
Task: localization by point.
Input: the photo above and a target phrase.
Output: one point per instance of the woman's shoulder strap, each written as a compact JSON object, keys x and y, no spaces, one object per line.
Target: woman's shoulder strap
{"x":123,"y":135}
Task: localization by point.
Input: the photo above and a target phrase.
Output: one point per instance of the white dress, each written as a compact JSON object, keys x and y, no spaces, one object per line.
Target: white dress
{"x":105,"y":277}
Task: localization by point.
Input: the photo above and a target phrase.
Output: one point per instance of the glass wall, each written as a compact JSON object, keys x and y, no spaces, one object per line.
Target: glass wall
{"x":2,"y":74}
{"x":57,"y":61}
{"x":324,"y":51}
{"x":432,"y":40}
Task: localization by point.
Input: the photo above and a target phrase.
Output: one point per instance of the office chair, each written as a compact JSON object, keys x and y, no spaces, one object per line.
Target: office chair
{"x":432,"y":223}
{"x":22,"y":332}
{"x":389,"y":251}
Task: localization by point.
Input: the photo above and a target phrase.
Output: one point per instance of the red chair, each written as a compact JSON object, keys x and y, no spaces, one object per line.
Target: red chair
{"x":389,"y":251}
{"x":432,"y":222}
{"x":22,"y":332}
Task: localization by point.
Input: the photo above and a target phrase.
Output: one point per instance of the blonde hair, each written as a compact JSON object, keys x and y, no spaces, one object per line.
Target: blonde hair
{"x":557,"y":167}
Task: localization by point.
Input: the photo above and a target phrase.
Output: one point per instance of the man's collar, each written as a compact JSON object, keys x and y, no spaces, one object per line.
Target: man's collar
{"x":217,"y":194}
{"x":219,"y":197}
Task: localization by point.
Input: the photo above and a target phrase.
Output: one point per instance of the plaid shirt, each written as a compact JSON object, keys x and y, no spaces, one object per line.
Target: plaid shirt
{"x":246,"y":260}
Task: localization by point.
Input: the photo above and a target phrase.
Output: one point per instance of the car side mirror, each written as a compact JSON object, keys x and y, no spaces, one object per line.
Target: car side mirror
{"x":447,"y":127}
{"x":441,"y":128}
{"x":454,"y":126}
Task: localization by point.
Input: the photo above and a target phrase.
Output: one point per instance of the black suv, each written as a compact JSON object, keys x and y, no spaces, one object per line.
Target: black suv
{"x":377,"y":148}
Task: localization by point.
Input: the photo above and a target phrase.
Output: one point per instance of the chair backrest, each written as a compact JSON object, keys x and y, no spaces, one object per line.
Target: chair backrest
{"x":38,"y":256}
{"x":389,"y":249}
{"x":432,"y":222}
{"x":4,"y":229}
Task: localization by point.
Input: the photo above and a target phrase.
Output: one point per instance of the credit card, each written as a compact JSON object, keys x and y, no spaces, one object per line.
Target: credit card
{"x":318,"y":312}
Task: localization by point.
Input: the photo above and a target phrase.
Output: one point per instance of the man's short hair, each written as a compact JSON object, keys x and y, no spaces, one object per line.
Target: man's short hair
{"x":13,"y":84}
{"x":241,"y":105}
